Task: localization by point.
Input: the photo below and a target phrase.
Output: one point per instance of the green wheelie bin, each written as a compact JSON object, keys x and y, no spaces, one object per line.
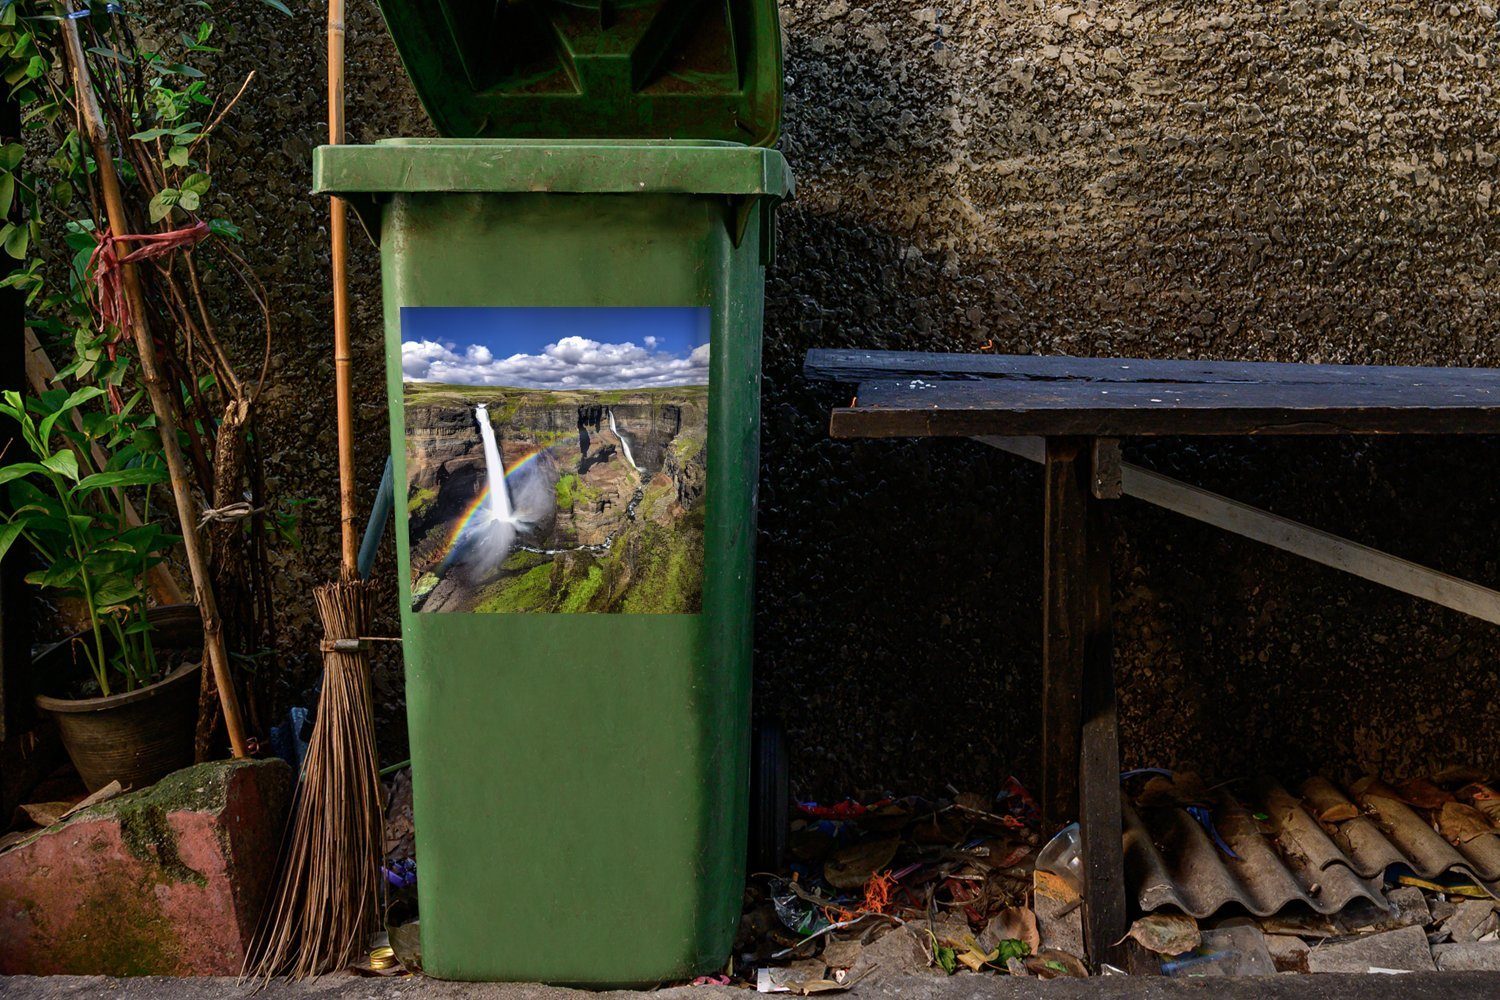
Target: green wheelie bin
{"x":573,"y":283}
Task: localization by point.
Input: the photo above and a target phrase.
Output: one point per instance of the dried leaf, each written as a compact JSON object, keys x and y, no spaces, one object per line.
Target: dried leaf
{"x":1327,"y":803}
{"x":1166,"y":933}
{"x":1484,"y":798}
{"x":1054,"y":964}
{"x":1157,"y":791}
{"x":1182,"y":788}
{"x":851,"y":867}
{"x":45,"y":813}
{"x":1460,"y":824}
{"x":1458,"y":774}
{"x":1371,"y":787}
{"x":1339,"y":812}
{"x":973,"y":959}
{"x":1423,"y":794}
{"x":976,"y":957}
{"x":1014,"y":923}
{"x":104,"y":794}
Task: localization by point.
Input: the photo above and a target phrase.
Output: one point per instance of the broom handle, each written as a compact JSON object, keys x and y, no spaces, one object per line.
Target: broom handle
{"x":114,"y":204}
{"x":338,"y":231}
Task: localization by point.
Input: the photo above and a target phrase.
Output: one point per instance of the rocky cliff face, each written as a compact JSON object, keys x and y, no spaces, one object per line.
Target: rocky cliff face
{"x":649,"y":428}
{"x":583,"y":470}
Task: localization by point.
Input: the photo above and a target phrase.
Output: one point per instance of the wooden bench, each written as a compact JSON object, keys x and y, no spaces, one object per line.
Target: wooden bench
{"x":1069,"y":414}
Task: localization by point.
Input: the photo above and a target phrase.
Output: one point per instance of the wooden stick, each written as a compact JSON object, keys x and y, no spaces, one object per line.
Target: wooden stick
{"x":40,"y":372}
{"x":342,"y":356}
{"x":1283,"y":533}
{"x":161,"y":402}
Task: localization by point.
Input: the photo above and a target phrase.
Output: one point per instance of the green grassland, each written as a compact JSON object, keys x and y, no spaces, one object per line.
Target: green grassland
{"x":650,"y":569}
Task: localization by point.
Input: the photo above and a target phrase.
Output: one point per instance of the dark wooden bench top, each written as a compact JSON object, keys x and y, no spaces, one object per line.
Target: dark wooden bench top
{"x":903,"y":394}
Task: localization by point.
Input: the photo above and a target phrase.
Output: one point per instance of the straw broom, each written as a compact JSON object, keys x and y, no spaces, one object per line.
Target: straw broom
{"x":328,"y":899}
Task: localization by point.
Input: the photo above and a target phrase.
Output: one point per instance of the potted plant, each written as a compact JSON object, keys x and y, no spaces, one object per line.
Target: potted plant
{"x":123,"y":695}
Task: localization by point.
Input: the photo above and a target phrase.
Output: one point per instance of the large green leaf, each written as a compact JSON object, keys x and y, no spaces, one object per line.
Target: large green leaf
{"x":59,"y":574}
{"x":9,"y":532}
{"x":19,"y":469}
{"x":75,"y":399}
{"x":116,"y":591}
{"x":64,"y":463}
{"x":121,"y":477}
{"x":16,"y":240}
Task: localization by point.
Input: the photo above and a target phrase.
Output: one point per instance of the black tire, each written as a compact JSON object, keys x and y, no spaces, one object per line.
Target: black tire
{"x":770,"y":798}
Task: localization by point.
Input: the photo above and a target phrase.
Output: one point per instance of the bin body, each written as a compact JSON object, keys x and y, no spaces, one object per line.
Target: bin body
{"x":579,"y":757}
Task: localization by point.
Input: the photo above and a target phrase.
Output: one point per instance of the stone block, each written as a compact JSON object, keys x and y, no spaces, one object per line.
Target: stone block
{"x":167,"y":881}
{"x":1471,"y":956}
{"x":1403,"y":950}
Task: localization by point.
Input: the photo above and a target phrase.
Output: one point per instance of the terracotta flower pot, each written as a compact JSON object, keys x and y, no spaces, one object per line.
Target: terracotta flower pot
{"x":136,"y":737}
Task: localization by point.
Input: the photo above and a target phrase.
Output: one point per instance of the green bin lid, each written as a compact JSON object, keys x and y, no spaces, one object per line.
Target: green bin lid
{"x":572,"y":69}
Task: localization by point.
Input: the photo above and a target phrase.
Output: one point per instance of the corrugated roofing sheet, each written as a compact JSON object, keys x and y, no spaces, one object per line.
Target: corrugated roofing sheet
{"x":1325,"y":848}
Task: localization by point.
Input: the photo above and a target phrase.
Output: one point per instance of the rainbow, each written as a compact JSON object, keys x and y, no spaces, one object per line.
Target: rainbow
{"x":481,"y":501}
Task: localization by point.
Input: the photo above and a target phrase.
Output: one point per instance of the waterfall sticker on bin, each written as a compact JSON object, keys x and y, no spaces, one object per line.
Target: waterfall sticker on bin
{"x":555,"y":458}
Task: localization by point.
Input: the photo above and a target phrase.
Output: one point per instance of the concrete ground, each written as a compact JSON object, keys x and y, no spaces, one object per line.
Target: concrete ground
{"x":1417,"y":986}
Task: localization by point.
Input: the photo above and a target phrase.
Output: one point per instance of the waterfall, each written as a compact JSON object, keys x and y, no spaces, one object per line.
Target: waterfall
{"x":494,"y":469}
{"x":623,"y":443}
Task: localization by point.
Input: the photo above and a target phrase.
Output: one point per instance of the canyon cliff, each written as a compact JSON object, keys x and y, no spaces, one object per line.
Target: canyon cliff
{"x":607,"y":488}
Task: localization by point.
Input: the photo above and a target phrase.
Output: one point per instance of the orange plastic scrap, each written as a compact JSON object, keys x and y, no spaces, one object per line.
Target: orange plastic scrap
{"x":878,"y":892}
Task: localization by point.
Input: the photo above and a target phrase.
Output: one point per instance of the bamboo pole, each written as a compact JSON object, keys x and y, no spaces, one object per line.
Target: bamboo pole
{"x":161,"y":402}
{"x":343,"y":360}
{"x":40,"y":372}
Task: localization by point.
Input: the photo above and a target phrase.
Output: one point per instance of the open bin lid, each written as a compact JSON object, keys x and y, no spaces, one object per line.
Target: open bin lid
{"x":573,"y":69}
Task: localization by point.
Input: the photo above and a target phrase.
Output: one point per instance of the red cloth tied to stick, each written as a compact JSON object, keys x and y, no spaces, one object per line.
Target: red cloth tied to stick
{"x":106,"y":264}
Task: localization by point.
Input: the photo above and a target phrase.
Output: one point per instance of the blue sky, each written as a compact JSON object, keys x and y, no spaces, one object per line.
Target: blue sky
{"x":561,"y":348}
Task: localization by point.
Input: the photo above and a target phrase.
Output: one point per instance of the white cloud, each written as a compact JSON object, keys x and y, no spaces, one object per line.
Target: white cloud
{"x":570,"y":363}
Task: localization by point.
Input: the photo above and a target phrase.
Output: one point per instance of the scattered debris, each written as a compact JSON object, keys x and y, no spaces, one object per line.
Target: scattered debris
{"x":888,"y":887}
{"x":1471,"y":920}
{"x":899,"y":886}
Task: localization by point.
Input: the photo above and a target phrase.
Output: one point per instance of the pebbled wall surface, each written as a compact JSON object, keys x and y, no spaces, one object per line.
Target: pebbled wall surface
{"x":1300,"y":181}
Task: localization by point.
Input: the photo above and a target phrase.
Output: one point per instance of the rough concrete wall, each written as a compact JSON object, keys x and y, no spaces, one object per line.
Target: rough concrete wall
{"x":1300,"y":181}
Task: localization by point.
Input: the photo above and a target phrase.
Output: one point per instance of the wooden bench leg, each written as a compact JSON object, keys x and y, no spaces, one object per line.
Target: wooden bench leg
{"x":1064,"y":617}
{"x":1080,"y":738}
{"x":1100,"y":824}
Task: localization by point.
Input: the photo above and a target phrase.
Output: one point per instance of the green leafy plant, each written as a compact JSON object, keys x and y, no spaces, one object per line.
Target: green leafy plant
{"x":78,"y":521}
{"x":156,"y":74}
